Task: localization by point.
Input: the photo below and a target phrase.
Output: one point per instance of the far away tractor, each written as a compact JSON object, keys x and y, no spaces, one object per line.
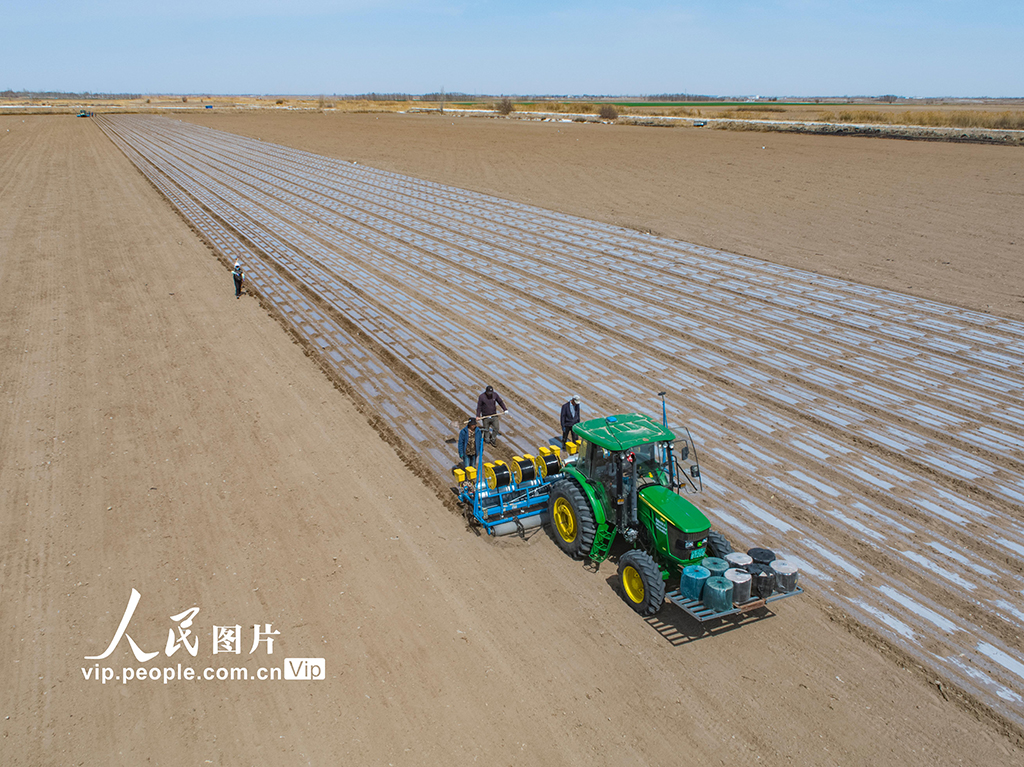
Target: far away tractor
{"x":622,"y":479}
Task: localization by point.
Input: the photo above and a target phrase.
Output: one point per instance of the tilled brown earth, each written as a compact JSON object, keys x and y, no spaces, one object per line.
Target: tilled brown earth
{"x":161,"y":435}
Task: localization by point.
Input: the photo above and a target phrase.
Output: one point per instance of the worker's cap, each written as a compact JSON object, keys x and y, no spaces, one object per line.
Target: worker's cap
{"x":576,"y":398}
{"x":489,"y":389}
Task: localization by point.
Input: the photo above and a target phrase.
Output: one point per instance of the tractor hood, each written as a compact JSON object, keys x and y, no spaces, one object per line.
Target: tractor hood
{"x":673,"y":509}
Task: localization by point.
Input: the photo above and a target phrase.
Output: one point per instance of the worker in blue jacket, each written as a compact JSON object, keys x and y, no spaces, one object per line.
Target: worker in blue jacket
{"x":467,"y":444}
{"x":570,"y":416}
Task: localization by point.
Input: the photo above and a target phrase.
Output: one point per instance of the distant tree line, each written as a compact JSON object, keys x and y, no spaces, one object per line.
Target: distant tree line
{"x":407,"y":97}
{"x":377,"y":97}
{"x":62,"y":95}
{"x":455,"y":96}
{"x":680,"y":97}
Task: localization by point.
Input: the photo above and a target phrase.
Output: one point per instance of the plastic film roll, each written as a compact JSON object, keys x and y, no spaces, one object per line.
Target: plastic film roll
{"x":715,"y":566}
{"x":524,"y":469}
{"x":786,"y":574}
{"x":691,"y":582}
{"x":497,"y":475}
{"x":741,"y":583}
{"x":717,"y":595}
{"x":549,"y":462}
{"x":739,"y":560}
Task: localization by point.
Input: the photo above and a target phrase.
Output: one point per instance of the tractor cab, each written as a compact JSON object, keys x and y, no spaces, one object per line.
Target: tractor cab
{"x":621,"y":442}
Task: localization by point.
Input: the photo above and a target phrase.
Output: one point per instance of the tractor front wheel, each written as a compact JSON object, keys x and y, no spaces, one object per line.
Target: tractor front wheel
{"x":718,"y":545}
{"x":572,"y":520}
{"x":643,"y":588}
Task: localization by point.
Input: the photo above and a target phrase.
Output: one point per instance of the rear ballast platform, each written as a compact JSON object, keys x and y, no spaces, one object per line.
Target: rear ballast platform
{"x":698,"y":611}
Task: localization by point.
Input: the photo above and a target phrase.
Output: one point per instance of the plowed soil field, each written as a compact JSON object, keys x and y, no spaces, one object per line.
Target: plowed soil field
{"x":161,"y":437}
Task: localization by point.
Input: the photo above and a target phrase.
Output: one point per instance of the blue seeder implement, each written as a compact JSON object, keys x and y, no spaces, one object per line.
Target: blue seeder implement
{"x":508,"y":498}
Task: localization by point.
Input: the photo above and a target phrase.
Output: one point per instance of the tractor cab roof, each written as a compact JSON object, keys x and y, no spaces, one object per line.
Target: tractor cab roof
{"x":621,"y":432}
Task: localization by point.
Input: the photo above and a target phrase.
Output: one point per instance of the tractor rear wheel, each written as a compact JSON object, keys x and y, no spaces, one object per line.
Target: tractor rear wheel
{"x":643,"y":588}
{"x":572,"y":520}
{"x":718,"y":545}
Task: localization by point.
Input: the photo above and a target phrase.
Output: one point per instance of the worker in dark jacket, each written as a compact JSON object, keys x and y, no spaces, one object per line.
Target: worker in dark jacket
{"x":467,"y":443}
{"x":570,"y":416}
{"x":238,"y":276}
{"x":487,"y":414}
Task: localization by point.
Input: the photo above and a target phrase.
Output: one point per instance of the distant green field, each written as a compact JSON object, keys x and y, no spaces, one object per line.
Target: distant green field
{"x":706,"y":103}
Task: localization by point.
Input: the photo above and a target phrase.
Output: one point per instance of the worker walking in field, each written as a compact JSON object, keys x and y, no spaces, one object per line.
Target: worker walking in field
{"x":487,"y":414}
{"x":570,"y":416}
{"x":467,"y":443}
{"x":239,"y":276}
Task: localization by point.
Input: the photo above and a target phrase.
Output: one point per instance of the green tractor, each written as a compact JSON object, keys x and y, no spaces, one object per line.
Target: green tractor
{"x":625,"y":482}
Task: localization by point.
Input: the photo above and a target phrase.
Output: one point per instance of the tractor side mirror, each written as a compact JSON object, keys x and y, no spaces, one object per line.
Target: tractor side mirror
{"x":695,"y":471}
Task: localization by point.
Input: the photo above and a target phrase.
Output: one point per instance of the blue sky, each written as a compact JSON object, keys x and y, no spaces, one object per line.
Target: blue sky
{"x":728,"y":47}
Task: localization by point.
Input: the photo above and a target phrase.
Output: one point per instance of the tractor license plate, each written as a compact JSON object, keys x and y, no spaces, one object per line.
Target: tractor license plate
{"x":697,"y":553}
